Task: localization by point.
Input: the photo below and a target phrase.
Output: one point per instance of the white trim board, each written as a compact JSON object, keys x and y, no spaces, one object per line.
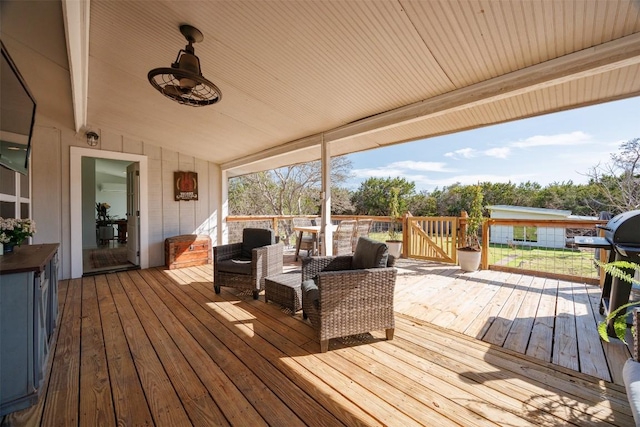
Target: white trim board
{"x":75,"y":187}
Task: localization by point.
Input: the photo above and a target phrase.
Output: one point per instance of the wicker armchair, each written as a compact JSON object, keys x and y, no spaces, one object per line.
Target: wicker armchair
{"x":341,"y":297}
{"x":245,"y":265}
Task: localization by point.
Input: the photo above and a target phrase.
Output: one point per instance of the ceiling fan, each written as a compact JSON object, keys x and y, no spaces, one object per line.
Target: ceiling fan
{"x":183,"y":82}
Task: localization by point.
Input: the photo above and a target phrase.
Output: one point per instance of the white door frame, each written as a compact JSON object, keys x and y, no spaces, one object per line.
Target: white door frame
{"x":75,"y":187}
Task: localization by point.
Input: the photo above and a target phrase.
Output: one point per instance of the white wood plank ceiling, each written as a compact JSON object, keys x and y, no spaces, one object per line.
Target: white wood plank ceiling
{"x":363,"y":74}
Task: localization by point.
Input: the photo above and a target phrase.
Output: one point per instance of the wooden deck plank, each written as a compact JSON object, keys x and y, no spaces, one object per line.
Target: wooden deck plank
{"x":565,"y":344}
{"x":162,"y":398}
{"x":446,"y":295}
{"x":230,"y":359}
{"x":96,"y":405}
{"x":129,"y":401}
{"x":438,"y":389}
{"x":409,"y":399}
{"x":170,"y":340}
{"x":501,"y":323}
{"x":245,"y":368}
{"x":490,"y":311}
{"x":542,"y":333}
{"x":590,"y":351}
{"x":565,"y":393}
{"x":453,"y":305}
{"x":520,"y":331}
{"x":62,"y":406}
{"x":300,"y":361}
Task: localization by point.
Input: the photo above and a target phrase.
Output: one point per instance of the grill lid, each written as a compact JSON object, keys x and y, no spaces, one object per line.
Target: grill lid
{"x":624,"y":229}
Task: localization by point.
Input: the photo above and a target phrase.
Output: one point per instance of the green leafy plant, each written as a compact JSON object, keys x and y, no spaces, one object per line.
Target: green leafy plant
{"x":620,"y":270}
{"x":474,"y":221}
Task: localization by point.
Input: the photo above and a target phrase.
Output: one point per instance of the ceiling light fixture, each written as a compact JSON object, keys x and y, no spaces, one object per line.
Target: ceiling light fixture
{"x":183,"y":82}
{"x":92,"y":138}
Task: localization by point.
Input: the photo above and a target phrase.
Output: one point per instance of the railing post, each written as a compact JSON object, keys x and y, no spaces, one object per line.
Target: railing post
{"x":405,"y":235}
{"x":484,"y":263}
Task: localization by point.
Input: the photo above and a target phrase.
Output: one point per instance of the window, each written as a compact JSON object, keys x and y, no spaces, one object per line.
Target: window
{"x":15,"y":200}
{"x":525,"y":234}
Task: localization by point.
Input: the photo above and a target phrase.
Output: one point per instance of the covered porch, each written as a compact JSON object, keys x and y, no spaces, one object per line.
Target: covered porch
{"x":158,"y":347}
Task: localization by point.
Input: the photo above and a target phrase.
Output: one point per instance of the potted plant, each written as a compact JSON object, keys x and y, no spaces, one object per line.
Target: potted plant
{"x":394,"y":242}
{"x":14,"y":231}
{"x":470,"y":254}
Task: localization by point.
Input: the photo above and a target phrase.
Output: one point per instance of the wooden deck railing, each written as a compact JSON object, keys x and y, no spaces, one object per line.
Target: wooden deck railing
{"x":547,"y":251}
{"x":543,"y":248}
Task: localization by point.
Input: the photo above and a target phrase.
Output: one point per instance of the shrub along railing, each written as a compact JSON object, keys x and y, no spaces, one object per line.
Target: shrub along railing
{"x":542,"y":248}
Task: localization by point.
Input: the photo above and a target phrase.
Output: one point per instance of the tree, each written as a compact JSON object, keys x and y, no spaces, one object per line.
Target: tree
{"x":291,"y":190}
{"x":619,"y":179}
{"x":372,"y":197}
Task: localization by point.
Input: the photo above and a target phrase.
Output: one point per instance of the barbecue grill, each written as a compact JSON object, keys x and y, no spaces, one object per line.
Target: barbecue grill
{"x":622,"y":240}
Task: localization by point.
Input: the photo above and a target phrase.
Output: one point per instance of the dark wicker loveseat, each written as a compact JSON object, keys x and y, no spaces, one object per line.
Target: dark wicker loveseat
{"x":349,"y":294}
{"x":245,"y":265}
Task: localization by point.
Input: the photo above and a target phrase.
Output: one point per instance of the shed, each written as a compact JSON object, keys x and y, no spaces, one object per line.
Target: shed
{"x":548,"y":237}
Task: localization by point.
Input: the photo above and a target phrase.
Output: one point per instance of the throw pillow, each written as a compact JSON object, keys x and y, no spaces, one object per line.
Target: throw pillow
{"x":370,"y":254}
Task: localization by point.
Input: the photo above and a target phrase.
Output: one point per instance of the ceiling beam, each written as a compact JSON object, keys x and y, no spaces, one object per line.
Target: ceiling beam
{"x":599,"y":59}
{"x":76,"y":25}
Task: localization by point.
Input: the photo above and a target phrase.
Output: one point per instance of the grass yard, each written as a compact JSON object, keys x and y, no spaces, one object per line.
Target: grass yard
{"x":563,"y":261}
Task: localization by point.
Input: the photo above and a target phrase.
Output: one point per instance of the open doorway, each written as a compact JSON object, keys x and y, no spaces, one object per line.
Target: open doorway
{"x":109,"y":207}
{"x":85,"y":193}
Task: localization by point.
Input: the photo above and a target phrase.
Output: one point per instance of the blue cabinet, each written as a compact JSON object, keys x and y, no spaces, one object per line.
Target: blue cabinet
{"x":28,"y":319}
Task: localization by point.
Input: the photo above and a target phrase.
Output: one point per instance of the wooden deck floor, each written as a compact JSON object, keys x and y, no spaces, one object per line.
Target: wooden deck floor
{"x":156,"y":347}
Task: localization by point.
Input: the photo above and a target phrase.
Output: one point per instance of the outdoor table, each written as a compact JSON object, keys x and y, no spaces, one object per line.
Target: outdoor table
{"x":313,"y":229}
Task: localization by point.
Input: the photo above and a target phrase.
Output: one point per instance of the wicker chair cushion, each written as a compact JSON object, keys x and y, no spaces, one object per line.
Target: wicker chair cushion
{"x":370,"y":254}
{"x":235,"y":266}
{"x":254,"y":238}
{"x":310,"y":290}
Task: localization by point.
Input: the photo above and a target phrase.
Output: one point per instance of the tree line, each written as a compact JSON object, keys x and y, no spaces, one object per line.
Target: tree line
{"x":613,"y":186}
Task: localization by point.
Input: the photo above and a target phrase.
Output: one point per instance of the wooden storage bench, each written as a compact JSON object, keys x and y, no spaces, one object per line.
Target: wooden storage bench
{"x":187,"y":250}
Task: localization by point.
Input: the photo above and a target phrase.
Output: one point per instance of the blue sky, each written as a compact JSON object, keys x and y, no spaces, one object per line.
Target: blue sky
{"x":552,"y":148}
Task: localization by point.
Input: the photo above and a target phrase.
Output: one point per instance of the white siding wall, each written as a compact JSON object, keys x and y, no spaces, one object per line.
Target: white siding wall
{"x":51,"y":188}
{"x":548,"y":237}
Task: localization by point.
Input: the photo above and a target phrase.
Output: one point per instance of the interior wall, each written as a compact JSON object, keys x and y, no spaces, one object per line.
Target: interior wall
{"x":88,"y":208}
{"x":166,"y":217}
{"x":112,"y":189}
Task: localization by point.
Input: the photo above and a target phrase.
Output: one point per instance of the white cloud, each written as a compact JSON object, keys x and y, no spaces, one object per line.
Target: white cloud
{"x":420,"y":166}
{"x":498,"y":152}
{"x":463,"y":153}
{"x":573,"y":138}
{"x":402,"y":169}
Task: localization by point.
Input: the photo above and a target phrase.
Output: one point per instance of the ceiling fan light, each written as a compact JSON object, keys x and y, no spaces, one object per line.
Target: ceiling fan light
{"x":187,"y":83}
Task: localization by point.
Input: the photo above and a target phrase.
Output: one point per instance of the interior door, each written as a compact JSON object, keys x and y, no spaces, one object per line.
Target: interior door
{"x":133,"y":213}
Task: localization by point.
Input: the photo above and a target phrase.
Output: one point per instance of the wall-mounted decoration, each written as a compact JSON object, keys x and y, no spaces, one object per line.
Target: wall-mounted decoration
{"x":186,"y":185}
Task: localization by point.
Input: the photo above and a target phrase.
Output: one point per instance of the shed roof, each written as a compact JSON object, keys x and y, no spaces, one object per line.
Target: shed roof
{"x":525,"y":209}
